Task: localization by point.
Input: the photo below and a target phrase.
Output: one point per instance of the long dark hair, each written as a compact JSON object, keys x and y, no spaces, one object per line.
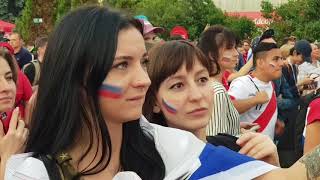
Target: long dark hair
{"x":79,"y":55}
{"x":214,"y":38}
{"x":165,"y":60}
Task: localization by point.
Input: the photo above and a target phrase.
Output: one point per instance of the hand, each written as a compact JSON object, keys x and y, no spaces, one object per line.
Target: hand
{"x":258,"y":146}
{"x":14,"y":141}
{"x":261,"y":97}
{"x":307,"y":81}
{"x":246,"y":126}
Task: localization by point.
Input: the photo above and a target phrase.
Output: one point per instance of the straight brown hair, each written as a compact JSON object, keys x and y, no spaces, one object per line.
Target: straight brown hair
{"x":165,"y":60}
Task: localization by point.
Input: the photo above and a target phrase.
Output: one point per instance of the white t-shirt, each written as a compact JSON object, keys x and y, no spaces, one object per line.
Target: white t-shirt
{"x":246,"y":87}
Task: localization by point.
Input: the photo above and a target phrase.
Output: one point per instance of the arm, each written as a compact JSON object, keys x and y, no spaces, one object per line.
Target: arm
{"x":312,"y":136}
{"x":242,"y":72}
{"x":308,"y":167}
{"x":245,"y":105}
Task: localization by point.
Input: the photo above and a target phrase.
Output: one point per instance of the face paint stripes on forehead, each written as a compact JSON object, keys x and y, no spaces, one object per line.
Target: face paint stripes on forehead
{"x":110,"y":91}
{"x":169,"y":107}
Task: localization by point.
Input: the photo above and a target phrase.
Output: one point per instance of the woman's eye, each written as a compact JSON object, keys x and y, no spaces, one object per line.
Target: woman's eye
{"x":122,"y":65}
{"x":9,"y":78}
{"x":176,"y":86}
{"x":203,"y":80}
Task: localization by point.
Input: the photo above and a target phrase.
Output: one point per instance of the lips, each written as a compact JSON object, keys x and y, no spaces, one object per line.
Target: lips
{"x":198,"y":112}
{"x":6,"y":98}
{"x":136,"y":98}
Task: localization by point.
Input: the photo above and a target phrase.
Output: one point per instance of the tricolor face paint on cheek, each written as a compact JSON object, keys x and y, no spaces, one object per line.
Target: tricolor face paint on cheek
{"x":110,"y":91}
{"x":272,"y":65}
{"x":169,"y":107}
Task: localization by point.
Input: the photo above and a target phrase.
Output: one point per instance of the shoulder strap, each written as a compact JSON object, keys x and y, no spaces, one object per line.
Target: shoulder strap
{"x":25,"y":66}
{"x":37,"y":72}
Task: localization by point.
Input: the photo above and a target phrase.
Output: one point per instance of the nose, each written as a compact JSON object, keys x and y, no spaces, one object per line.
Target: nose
{"x":141,"y":78}
{"x":194,"y":92}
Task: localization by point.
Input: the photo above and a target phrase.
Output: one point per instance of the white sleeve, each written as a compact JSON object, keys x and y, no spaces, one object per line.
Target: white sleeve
{"x":25,"y":167}
{"x":126,"y":175}
{"x":239,"y":89}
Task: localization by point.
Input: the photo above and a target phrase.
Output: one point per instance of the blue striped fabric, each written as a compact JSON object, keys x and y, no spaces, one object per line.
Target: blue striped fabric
{"x":217,"y":159}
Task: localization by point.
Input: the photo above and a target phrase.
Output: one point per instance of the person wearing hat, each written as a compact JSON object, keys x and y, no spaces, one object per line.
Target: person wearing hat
{"x":253,"y":95}
{"x":150,"y":32}
{"x":179,"y":32}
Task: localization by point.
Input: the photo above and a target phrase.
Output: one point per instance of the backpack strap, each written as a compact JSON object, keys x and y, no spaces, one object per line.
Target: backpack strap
{"x":36,"y":64}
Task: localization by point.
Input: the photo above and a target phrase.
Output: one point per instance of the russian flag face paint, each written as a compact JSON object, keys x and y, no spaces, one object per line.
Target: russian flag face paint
{"x":272,"y":65}
{"x":169,"y":107}
{"x":110,"y":91}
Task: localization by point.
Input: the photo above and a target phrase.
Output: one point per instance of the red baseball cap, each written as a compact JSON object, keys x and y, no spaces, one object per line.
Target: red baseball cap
{"x":179,"y":31}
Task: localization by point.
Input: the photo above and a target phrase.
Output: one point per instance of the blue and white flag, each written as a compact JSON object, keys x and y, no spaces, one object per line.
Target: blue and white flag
{"x":222,"y":163}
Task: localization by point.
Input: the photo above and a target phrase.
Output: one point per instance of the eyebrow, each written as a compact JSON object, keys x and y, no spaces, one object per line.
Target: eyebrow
{"x":128,"y":57}
{"x":8,"y":73}
{"x":201,"y":71}
{"x":182,"y":76}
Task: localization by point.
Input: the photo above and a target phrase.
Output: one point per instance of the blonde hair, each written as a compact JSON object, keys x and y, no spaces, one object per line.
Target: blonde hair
{"x":285,"y":50}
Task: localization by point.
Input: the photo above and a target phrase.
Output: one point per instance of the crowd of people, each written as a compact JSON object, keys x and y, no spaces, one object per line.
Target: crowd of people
{"x":104,"y":97}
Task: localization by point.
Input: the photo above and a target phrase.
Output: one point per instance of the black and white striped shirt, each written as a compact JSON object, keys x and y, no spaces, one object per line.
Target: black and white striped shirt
{"x":225,"y":117}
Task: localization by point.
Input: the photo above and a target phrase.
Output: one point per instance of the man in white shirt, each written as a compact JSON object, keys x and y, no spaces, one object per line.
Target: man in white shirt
{"x":253,"y":95}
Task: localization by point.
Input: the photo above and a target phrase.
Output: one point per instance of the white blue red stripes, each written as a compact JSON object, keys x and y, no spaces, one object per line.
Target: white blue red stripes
{"x":169,"y":107}
{"x":110,"y":91}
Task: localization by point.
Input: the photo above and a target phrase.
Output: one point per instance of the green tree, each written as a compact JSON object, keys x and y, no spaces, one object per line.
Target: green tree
{"x":76,"y":3}
{"x":243,"y":27}
{"x":63,"y":6}
{"x":192,"y":14}
{"x":36,"y":9}
{"x":297,"y":17}
{"x":23,"y":24}
{"x":10,"y":9}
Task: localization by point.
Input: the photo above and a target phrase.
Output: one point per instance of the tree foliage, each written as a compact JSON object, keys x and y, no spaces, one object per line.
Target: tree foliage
{"x":297,"y":17}
{"x":242,"y":27}
{"x":10,"y":9}
{"x":192,"y":14}
{"x":23,"y":24}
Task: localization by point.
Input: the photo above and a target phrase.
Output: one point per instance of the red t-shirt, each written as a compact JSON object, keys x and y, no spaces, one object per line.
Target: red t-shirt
{"x":23,"y":94}
{"x":314,"y":111}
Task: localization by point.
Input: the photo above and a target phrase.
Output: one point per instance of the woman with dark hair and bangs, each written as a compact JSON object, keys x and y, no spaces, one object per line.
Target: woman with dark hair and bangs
{"x":219,"y":45}
{"x":179,"y":97}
